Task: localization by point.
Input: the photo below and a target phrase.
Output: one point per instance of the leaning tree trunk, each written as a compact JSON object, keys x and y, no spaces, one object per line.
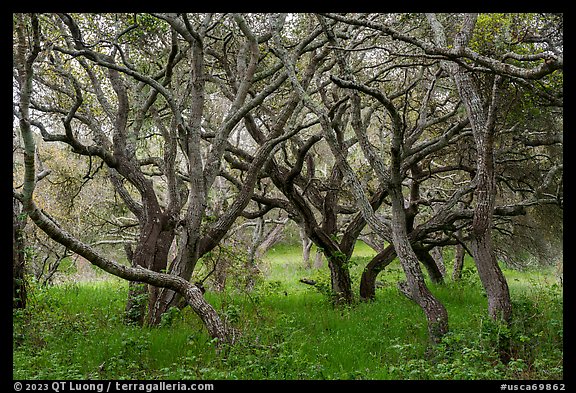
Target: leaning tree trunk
{"x":371,"y":271}
{"x":482,"y":121}
{"x":271,"y":238}
{"x":415,"y":288}
{"x":166,"y":297}
{"x":436,"y":253}
{"x":430,"y":264}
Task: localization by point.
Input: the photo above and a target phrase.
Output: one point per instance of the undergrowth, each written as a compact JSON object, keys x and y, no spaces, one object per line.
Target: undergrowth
{"x":290,"y":330}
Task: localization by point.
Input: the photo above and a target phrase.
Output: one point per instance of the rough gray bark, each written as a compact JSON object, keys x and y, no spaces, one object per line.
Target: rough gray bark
{"x":26,"y":55}
{"x":415,"y":287}
{"x":482,"y":123}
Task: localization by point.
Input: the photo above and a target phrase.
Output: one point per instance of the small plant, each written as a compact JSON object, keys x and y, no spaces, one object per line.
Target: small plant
{"x":168,"y":318}
{"x":289,"y":331}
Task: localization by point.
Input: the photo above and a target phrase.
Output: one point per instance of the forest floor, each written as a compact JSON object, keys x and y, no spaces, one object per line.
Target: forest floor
{"x":290,"y":330}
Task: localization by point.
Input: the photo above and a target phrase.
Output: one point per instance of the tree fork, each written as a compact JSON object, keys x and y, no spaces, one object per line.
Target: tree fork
{"x":193,"y":295}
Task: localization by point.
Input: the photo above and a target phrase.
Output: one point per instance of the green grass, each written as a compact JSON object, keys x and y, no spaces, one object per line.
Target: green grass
{"x":290,"y":330}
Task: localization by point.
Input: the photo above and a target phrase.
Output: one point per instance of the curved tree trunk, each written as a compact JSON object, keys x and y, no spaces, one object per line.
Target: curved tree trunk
{"x":271,"y":238}
{"x":415,"y":288}
{"x":191,"y":293}
{"x":482,"y":120}
{"x":371,"y":271}
{"x":430,"y":264}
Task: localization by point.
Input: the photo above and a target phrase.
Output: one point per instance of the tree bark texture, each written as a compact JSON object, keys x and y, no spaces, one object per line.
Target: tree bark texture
{"x":482,"y":122}
{"x":499,"y":303}
{"x":216,"y":327}
{"x":416,"y":288}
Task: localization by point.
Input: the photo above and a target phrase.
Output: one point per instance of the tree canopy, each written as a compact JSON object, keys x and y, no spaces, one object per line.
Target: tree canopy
{"x":425,"y":130}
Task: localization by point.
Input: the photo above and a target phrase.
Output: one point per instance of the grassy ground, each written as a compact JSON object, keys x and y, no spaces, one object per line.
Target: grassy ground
{"x":291,"y":331}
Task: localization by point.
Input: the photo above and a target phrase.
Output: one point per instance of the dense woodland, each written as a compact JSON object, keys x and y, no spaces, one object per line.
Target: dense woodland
{"x":174,"y":151}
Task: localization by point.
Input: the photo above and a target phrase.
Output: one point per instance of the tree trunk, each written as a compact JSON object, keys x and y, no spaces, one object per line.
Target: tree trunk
{"x":499,"y":303}
{"x":19,"y":293}
{"x":273,"y":237}
{"x":151,"y":252}
{"x":215,"y":326}
{"x":482,"y":122}
{"x":318,"y":259}
{"x":493,"y":280}
{"x":371,"y":271}
{"x":436,"y":253}
{"x":306,"y":247}
{"x":458,"y":262}
{"x":340,"y":279}
{"x":430,"y":264}
{"x":415,"y":288}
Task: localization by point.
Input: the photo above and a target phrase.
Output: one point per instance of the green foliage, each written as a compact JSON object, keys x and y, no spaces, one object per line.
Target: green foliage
{"x":323,"y":283}
{"x":139,"y":301}
{"x":167,"y":319}
{"x":289,"y":331}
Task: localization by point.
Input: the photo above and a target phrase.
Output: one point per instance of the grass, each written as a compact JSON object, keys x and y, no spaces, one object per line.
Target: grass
{"x":291,"y":331}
